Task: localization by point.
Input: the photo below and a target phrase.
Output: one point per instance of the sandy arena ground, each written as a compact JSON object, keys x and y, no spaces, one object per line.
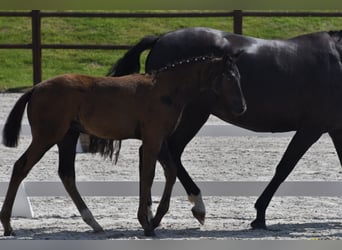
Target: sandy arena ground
{"x":226,"y":158}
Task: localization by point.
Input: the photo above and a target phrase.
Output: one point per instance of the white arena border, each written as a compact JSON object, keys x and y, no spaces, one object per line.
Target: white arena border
{"x":207,"y":130}
{"x":22,"y":206}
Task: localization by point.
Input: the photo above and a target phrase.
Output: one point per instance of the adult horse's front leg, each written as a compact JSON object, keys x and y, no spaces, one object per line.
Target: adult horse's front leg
{"x":193,"y":118}
{"x":66,"y":171}
{"x":299,"y":144}
{"x":149,"y":154}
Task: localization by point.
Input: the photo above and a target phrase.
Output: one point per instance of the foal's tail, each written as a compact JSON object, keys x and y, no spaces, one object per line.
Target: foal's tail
{"x":130,"y":62}
{"x":11,"y":131}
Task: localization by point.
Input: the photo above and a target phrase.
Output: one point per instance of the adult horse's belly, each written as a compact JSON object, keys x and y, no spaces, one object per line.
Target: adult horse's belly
{"x":263,"y":119}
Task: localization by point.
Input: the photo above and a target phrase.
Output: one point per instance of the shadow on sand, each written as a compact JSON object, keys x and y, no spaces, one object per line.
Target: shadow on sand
{"x":278,"y":231}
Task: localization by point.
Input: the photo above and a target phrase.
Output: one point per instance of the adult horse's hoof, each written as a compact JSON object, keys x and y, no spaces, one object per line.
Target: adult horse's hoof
{"x":258,"y":225}
{"x":149,"y":232}
{"x":199,"y":215}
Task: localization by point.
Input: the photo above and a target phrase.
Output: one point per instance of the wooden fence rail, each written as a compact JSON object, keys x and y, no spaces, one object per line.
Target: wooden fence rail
{"x":36,"y":18}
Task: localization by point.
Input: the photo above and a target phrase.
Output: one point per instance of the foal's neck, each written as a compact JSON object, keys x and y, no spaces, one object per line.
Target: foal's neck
{"x":184,"y":80}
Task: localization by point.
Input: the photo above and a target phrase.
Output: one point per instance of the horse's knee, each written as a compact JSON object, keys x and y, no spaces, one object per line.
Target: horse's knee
{"x":66,"y":173}
{"x":66,"y":167}
{"x":20,"y":170}
{"x":164,"y":155}
{"x":170,"y":172}
{"x":163,"y":208}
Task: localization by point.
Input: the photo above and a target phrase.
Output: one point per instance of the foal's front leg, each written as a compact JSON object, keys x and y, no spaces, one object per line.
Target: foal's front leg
{"x":149,"y":202}
{"x":170,"y":171}
{"x":149,"y":156}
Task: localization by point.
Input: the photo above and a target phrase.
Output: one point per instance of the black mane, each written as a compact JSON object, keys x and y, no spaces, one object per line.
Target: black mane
{"x":183,"y":62}
{"x":336,"y":35}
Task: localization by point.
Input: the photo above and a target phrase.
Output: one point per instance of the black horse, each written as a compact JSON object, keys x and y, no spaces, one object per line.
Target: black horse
{"x":289,"y":85}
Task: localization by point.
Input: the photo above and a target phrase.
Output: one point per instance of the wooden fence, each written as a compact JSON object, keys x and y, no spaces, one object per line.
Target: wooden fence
{"x":36,"y":18}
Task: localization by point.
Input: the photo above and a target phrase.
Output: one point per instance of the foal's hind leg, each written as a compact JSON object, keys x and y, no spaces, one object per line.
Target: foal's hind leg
{"x":66,"y":171}
{"x":299,"y":144}
{"x":21,"y":169}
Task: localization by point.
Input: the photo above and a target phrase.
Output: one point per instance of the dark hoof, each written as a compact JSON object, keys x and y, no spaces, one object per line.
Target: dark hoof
{"x":99,"y":231}
{"x":200,"y":216}
{"x":9,"y":233}
{"x":258,"y":225}
{"x":149,"y":233}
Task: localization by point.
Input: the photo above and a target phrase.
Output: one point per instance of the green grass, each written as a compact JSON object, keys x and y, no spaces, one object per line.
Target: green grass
{"x":16,"y":65}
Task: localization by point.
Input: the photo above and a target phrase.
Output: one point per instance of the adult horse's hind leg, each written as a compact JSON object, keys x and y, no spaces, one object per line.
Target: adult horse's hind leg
{"x":299,"y":144}
{"x":21,"y":169}
{"x":66,"y":171}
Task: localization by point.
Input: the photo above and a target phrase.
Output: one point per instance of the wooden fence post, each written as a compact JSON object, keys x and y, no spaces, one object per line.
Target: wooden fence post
{"x":36,"y":46}
{"x":237,"y":19}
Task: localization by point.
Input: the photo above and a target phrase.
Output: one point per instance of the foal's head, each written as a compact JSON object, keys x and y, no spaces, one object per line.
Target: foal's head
{"x":224,"y":80}
{"x":218,"y":74}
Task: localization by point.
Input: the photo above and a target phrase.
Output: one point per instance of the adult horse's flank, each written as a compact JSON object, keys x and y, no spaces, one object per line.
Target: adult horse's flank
{"x":289,"y":85}
{"x":146,"y":107}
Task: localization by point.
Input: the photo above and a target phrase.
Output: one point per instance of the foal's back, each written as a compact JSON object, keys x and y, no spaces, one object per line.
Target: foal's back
{"x":98,"y":104}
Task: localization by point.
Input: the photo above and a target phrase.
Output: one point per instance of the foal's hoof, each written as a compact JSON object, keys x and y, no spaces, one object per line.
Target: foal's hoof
{"x":149,"y":233}
{"x":200,"y":216}
{"x":258,"y":225}
{"x":9,"y":233}
{"x":97,"y":228}
{"x":99,"y":231}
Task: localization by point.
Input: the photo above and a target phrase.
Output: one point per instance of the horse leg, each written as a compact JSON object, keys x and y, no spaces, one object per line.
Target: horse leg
{"x":21,"y":169}
{"x":299,"y":144}
{"x":149,"y":155}
{"x":336,"y":137}
{"x":170,"y":171}
{"x":149,"y":201}
{"x":193,"y":191}
{"x":66,"y":171}
{"x":193,"y":118}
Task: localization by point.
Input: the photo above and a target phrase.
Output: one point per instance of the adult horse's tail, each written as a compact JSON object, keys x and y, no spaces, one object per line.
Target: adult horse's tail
{"x":130,"y":62}
{"x":11,"y":131}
